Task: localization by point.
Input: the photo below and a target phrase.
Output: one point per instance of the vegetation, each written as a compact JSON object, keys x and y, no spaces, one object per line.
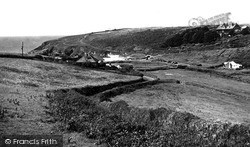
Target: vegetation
{"x":173,"y":41}
{"x":152,"y":38}
{"x":211,"y":36}
{"x":2,"y":113}
{"x":117,"y":124}
{"x":245,"y":31}
{"x":145,"y":41}
{"x":194,"y":35}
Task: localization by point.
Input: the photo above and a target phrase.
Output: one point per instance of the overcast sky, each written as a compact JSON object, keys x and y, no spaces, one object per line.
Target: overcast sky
{"x":69,"y":17}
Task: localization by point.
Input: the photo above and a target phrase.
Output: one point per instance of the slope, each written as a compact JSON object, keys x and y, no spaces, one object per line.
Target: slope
{"x":152,"y":41}
{"x":121,"y":40}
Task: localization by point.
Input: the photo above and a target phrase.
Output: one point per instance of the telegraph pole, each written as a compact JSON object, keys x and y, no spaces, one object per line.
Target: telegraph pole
{"x":22,"y":48}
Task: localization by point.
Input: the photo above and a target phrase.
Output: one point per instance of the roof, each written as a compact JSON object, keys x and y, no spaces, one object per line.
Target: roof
{"x":112,"y":57}
{"x":228,"y":26}
{"x":244,"y":27}
{"x":86,"y":59}
{"x":232,"y":62}
{"x":83,"y":59}
{"x":97,"y":57}
{"x":229,"y":62}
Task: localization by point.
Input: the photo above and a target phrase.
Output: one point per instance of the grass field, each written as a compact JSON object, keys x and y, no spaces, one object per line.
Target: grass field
{"x":201,"y":110}
{"x":183,"y":99}
{"x":207,"y":96}
{"x":23,"y":85}
{"x":49,"y":98}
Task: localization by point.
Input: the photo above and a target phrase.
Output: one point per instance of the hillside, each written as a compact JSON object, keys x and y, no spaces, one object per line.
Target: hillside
{"x":121,"y":40}
{"x":156,"y":41}
{"x":13,"y":44}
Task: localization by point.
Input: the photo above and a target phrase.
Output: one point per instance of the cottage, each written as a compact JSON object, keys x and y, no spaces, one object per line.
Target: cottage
{"x":86,"y":58}
{"x":82,"y":60}
{"x":112,"y":57}
{"x":232,"y":65}
{"x":58,"y":58}
{"x":228,"y":29}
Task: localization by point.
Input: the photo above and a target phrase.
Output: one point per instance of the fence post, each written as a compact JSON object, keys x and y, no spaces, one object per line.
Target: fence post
{"x":22,"y":48}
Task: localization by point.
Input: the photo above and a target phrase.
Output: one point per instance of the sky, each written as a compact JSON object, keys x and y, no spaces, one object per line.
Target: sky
{"x":71,"y":17}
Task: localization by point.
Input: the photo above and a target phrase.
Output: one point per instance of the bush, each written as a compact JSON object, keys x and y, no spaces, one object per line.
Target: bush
{"x":198,"y":37}
{"x":68,"y":51}
{"x":245,"y":31}
{"x":121,"y":125}
{"x":211,"y":36}
{"x":173,"y":41}
{"x":187,"y":37}
{"x":195,"y":35}
{"x":126,"y":67}
{"x":2,"y":112}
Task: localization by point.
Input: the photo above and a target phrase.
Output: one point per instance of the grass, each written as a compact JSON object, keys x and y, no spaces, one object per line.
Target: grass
{"x":22,"y":89}
{"x":2,"y":113}
{"x":118,"y":124}
{"x":148,"y":38}
{"x":107,"y":95}
{"x":46,"y":68}
{"x":124,"y":40}
{"x":239,"y":76}
{"x":30,"y":84}
{"x":11,"y":69}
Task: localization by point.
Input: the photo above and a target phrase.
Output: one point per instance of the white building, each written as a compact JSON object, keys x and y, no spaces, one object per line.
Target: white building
{"x":112,"y":57}
{"x":232,"y":65}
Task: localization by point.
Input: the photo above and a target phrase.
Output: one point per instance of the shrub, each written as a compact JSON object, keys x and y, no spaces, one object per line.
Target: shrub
{"x":68,"y":51}
{"x":245,"y":31}
{"x":122,"y":125}
{"x":126,"y":67}
{"x":2,"y":112}
{"x":195,"y":35}
{"x":173,"y":41}
{"x":187,"y":37}
{"x":211,"y":36}
{"x":198,"y":37}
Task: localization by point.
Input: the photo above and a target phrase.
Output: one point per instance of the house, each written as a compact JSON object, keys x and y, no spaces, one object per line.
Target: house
{"x":232,"y":65}
{"x":112,"y":57}
{"x":82,"y":60}
{"x":228,"y":29}
{"x":86,"y":58}
{"x":58,"y":58}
